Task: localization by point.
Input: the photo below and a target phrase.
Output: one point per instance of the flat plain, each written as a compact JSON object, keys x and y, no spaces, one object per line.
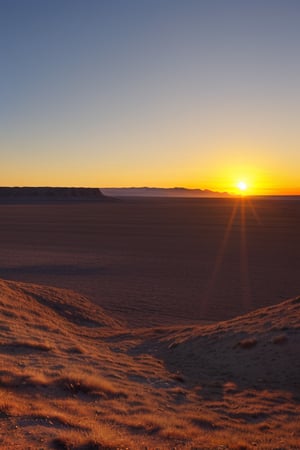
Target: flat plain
{"x":159,"y":261}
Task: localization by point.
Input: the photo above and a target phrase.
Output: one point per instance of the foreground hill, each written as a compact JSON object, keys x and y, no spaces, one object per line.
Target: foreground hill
{"x":49,"y":194}
{"x":270,"y":336}
{"x":74,"y":378}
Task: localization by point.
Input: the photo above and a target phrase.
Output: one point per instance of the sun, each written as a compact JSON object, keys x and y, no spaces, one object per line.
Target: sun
{"x":242,"y":186}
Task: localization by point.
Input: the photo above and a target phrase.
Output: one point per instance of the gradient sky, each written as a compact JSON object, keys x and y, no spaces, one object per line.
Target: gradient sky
{"x":150,"y":92}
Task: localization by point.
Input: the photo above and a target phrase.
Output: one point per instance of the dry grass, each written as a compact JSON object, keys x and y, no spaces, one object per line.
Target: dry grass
{"x":247,"y":343}
{"x":80,"y":382}
{"x":100,"y":438}
{"x":6,"y":409}
{"x":33,"y":346}
{"x":19,"y":380}
{"x":280,"y":339}
{"x":69,"y":387}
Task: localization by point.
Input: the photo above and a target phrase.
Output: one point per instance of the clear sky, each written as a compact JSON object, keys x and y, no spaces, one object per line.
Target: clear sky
{"x":195,"y":93}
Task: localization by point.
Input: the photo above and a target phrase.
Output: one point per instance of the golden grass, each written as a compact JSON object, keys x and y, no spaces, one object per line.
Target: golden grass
{"x":77,"y":382}
{"x":73,"y":388}
{"x":45,"y":346}
{"x":101,"y":438}
{"x":6,"y":408}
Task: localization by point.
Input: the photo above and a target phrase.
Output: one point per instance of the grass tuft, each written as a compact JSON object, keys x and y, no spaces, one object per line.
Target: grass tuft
{"x":247,"y":343}
{"x":89,"y":384}
{"x":280,"y":339}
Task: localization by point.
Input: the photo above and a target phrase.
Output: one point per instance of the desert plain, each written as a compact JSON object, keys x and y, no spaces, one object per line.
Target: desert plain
{"x":150,"y":323}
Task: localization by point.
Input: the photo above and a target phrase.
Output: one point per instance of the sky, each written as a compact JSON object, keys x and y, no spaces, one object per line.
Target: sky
{"x":195,"y":93}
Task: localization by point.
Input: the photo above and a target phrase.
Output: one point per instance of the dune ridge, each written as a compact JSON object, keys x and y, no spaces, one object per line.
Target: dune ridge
{"x":72,"y":377}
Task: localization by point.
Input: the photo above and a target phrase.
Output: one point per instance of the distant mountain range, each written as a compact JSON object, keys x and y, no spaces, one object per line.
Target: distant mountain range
{"x":77,"y":194}
{"x":161,"y":192}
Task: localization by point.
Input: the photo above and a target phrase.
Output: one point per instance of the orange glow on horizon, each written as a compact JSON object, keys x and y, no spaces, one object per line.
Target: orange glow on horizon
{"x":226,"y":177}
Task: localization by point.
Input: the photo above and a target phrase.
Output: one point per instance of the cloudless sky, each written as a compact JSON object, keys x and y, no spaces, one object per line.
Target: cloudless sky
{"x":150,"y":92}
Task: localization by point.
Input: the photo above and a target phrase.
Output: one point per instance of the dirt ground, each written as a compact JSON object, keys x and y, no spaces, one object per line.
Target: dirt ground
{"x":159,"y":261}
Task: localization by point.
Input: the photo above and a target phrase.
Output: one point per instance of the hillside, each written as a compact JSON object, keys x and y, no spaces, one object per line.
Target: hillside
{"x":74,"y":378}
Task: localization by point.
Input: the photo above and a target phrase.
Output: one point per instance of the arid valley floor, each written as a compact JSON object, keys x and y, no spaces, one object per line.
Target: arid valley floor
{"x":150,"y":323}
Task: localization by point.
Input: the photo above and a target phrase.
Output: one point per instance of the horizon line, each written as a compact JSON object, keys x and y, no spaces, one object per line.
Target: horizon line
{"x":173,"y":188}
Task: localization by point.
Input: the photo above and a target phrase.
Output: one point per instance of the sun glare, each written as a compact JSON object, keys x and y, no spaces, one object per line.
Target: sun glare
{"x":242,"y":186}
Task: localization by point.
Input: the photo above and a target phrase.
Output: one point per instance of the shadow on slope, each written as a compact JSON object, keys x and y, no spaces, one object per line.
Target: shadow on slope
{"x":259,"y":350}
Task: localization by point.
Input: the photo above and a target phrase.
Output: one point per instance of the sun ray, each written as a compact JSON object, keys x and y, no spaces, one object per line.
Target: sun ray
{"x":219,"y":259}
{"x":244,"y":204}
{"x":245,"y":282}
{"x":253,"y":210}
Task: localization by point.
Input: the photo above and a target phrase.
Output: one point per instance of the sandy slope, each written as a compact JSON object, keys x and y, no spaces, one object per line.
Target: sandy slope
{"x":72,"y":377}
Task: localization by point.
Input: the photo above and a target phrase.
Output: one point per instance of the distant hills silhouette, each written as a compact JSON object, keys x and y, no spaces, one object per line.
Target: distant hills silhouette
{"x":82,"y":194}
{"x":162,"y":192}
{"x":49,"y":194}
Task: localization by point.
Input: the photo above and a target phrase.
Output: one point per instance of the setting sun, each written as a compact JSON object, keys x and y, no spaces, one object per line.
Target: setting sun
{"x":242,"y":186}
